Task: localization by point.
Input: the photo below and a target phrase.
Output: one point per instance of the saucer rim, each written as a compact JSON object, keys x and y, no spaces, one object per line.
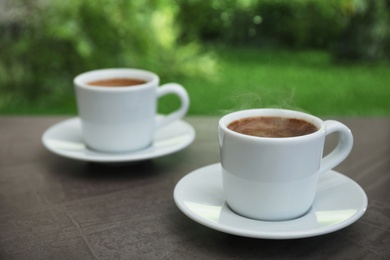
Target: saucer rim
{"x":274,"y":235}
{"x":113,"y":157}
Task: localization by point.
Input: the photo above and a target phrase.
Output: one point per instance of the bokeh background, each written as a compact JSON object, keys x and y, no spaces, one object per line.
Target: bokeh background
{"x":324,"y":57}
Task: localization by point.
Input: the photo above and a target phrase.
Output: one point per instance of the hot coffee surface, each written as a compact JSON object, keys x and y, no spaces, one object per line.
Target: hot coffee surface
{"x":117,"y":82}
{"x":263,"y":126}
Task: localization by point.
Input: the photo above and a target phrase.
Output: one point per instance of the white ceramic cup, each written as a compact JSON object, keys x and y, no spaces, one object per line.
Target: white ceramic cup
{"x":275,"y":179}
{"x":121,"y":119}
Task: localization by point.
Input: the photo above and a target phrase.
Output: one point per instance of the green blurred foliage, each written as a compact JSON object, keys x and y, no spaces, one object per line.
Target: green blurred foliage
{"x":367,"y":34}
{"x":295,"y":23}
{"x":44,"y":44}
{"x":358,"y":28}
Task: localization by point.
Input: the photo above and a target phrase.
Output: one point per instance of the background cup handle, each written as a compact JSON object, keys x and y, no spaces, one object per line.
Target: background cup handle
{"x":343,"y":148}
{"x":173,"y":88}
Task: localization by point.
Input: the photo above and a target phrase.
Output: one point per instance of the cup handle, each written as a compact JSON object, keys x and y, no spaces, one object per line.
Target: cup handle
{"x":173,"y":88}
{"x":343,"y":148}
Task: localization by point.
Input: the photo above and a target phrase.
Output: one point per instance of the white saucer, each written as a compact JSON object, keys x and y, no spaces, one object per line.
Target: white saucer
{"x":339,"y":202}
{"x":65,"y":139}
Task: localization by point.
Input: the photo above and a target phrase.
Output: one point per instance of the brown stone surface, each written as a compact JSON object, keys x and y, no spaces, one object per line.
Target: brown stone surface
{"x":56,"y":208}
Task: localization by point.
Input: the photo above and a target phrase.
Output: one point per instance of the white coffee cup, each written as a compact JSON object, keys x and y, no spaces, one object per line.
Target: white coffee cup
{"x":271,"y":178}
{"x":123,"y":118}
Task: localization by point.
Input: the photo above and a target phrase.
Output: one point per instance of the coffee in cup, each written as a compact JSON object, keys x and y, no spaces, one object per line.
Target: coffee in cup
{"x":273,"y":177}
{"x":118,"y":107}
{"x":117,"y":82}
{"x":272,"y":126}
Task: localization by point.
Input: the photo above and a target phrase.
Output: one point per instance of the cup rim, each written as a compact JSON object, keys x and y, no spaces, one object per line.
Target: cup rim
{"x":228,"y":118}
{"x":82,"y":79}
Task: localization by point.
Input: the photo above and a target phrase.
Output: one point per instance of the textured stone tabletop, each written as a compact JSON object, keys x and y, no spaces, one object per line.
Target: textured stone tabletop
{"x":57,"y":208}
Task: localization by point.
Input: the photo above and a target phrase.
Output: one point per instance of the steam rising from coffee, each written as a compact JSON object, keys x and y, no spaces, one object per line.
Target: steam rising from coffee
{"x":264,"y":98}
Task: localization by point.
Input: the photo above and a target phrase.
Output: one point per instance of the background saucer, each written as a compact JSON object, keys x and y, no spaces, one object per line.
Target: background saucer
{"x":65,"y":140}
